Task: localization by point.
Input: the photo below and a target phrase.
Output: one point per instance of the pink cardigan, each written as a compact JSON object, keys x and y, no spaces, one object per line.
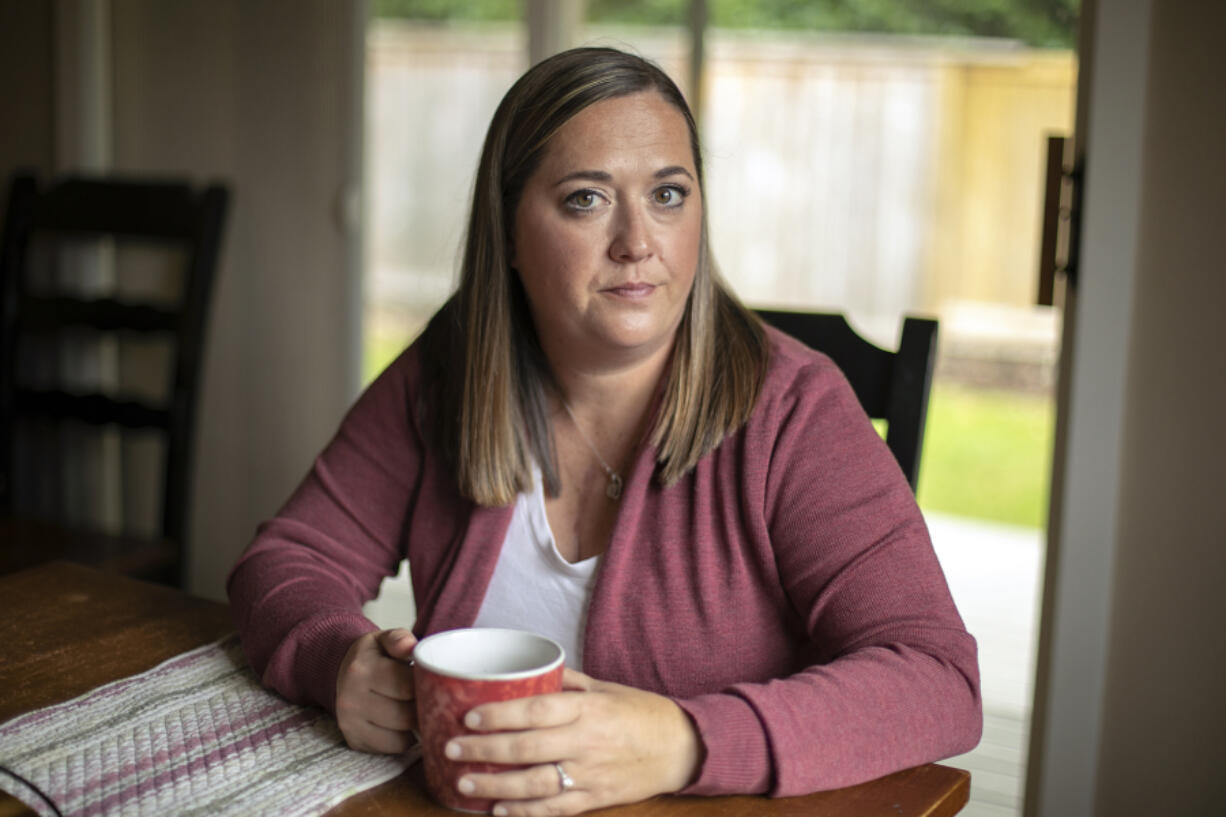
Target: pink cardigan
{"x":784,"y":593}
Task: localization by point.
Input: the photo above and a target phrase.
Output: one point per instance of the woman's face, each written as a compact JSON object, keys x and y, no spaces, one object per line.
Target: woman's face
{"x":607,"y":230}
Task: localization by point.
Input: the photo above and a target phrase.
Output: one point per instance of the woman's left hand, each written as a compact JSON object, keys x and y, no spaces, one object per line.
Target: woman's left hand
{"x":616,"y":743}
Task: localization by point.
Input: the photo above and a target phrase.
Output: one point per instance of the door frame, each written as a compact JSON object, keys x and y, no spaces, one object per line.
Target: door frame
{"x":1082,"y":527}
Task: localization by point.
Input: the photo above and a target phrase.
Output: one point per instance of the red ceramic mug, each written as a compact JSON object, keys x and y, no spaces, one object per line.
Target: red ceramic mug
{"x":456,"y":670}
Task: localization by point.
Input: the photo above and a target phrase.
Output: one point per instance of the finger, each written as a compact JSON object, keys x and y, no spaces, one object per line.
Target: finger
{"x":376,"y":739}
{"x":573,"y":802}
{"x":534,"y":783}
{"x":390,"y":713}
{"x":573,"y":679}
{"x":391,"y":679}
{"x":535,"y":712}
{"x":512,"y":748}
{"x":397,"y":643}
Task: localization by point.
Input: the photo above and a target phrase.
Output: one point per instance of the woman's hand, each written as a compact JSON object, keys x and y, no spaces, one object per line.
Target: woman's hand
{"x":374,"y":693}
{"x":618,"y":744}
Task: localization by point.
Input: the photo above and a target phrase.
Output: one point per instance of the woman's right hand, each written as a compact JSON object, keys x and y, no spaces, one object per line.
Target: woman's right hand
{"x":374,"y":693}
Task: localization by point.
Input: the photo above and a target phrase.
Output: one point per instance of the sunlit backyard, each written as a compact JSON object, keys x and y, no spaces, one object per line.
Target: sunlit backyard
{"x":987,"y":454}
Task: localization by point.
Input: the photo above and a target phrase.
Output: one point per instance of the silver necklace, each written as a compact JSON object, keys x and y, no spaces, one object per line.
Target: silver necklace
{"x":614,"y":489}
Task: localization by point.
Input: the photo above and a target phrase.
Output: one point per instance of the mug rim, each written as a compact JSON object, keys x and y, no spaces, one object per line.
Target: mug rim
{"x":466,"y":632}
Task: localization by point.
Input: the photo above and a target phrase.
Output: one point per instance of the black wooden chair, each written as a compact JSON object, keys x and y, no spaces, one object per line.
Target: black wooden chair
{"x":39,"y":319}
{"x":892,"y":386}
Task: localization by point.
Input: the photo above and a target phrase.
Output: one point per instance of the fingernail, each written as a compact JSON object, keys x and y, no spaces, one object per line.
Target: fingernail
{"x":472,"y":720}
{"x":500,"y":811}
{"x":466,"y":786}
{"x":452,"y":750}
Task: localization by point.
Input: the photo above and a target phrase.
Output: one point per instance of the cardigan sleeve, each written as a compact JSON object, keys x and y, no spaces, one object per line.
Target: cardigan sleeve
{"x":297,"y":590}
{"x":893,"y":677}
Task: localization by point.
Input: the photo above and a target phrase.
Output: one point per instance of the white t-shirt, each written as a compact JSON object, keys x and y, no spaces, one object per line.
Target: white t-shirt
{"x":533,"y":588}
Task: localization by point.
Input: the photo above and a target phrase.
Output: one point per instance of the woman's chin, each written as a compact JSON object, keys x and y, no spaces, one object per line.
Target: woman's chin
{"x":642,"y":346}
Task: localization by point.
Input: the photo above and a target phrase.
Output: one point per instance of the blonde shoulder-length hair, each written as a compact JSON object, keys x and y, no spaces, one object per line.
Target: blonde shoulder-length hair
{"x":487,"y":376}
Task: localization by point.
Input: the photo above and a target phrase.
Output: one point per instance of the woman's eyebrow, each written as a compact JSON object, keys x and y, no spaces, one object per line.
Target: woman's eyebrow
{"x":674,"y":170}
{"x":588,"y":175}
{"x":602,"y":176}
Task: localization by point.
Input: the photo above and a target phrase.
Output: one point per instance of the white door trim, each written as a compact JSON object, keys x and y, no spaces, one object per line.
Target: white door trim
{"x":1082,"y":533}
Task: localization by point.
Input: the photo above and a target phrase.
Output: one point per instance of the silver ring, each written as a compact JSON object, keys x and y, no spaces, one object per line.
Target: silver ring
{"x":564,"y":780}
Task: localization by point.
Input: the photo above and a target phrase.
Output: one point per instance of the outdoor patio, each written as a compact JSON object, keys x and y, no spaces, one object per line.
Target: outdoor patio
{"x":994,"y":572}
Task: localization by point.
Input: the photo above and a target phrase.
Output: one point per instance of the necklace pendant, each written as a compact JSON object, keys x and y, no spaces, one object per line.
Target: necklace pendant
{"x":614,"y":491}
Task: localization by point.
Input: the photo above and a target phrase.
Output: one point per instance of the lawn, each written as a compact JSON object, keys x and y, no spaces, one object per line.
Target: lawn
{"x":380,"y":348}
{"x":987,"y":454}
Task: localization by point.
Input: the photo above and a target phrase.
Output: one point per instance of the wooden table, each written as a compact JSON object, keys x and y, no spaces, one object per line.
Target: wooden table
{"x":65,"y":629}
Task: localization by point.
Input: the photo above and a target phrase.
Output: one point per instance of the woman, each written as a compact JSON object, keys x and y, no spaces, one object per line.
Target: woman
{"x":595,"y":440}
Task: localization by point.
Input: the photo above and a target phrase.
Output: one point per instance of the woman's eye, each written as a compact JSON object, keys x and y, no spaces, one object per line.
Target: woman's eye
{"x":669,"y":196}
{"x":582,"y":200}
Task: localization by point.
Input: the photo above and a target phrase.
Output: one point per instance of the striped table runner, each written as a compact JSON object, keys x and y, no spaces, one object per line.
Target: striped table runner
{"x":196,"y":735}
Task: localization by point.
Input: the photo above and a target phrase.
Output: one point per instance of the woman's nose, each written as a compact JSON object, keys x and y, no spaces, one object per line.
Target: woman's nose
{"x":632,"y":241}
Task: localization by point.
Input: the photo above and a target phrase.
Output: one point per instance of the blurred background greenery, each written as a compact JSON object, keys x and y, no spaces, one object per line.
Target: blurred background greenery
{"x":1042,"y":23}
{"x":987,"y":454}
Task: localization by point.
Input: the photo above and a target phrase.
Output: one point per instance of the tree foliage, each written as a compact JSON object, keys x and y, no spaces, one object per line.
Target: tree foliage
{"x":1046,"y":23}
{"x":1037,"y":22}
{"x":444,"y":10}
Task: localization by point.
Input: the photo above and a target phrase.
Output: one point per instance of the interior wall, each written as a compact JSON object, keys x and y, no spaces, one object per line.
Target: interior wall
{"x":1164,"y":712}
{"x":261,"y":96}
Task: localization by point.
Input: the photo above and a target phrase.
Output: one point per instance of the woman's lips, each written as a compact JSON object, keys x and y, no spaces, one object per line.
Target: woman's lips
{"x":637,"y":289}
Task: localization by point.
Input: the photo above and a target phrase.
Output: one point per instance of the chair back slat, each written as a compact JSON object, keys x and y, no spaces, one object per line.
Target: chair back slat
{"x":100,"y":314}
{"x":119,"y":208}
{"x":92,"y":409}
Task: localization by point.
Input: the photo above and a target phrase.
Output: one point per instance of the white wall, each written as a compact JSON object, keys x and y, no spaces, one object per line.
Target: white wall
{"x":1164,"y":703}
{"x":266,"y":96}
{"x":1129,"y":712}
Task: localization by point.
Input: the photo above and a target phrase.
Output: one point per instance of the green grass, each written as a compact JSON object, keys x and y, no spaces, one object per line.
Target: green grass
{"x":987,"y":454}
{"x":379,"y":348}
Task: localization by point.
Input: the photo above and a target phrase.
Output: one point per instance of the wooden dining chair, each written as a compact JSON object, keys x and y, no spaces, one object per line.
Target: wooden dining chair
{"x":891,"y":386}
{"x":164,"y":234}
